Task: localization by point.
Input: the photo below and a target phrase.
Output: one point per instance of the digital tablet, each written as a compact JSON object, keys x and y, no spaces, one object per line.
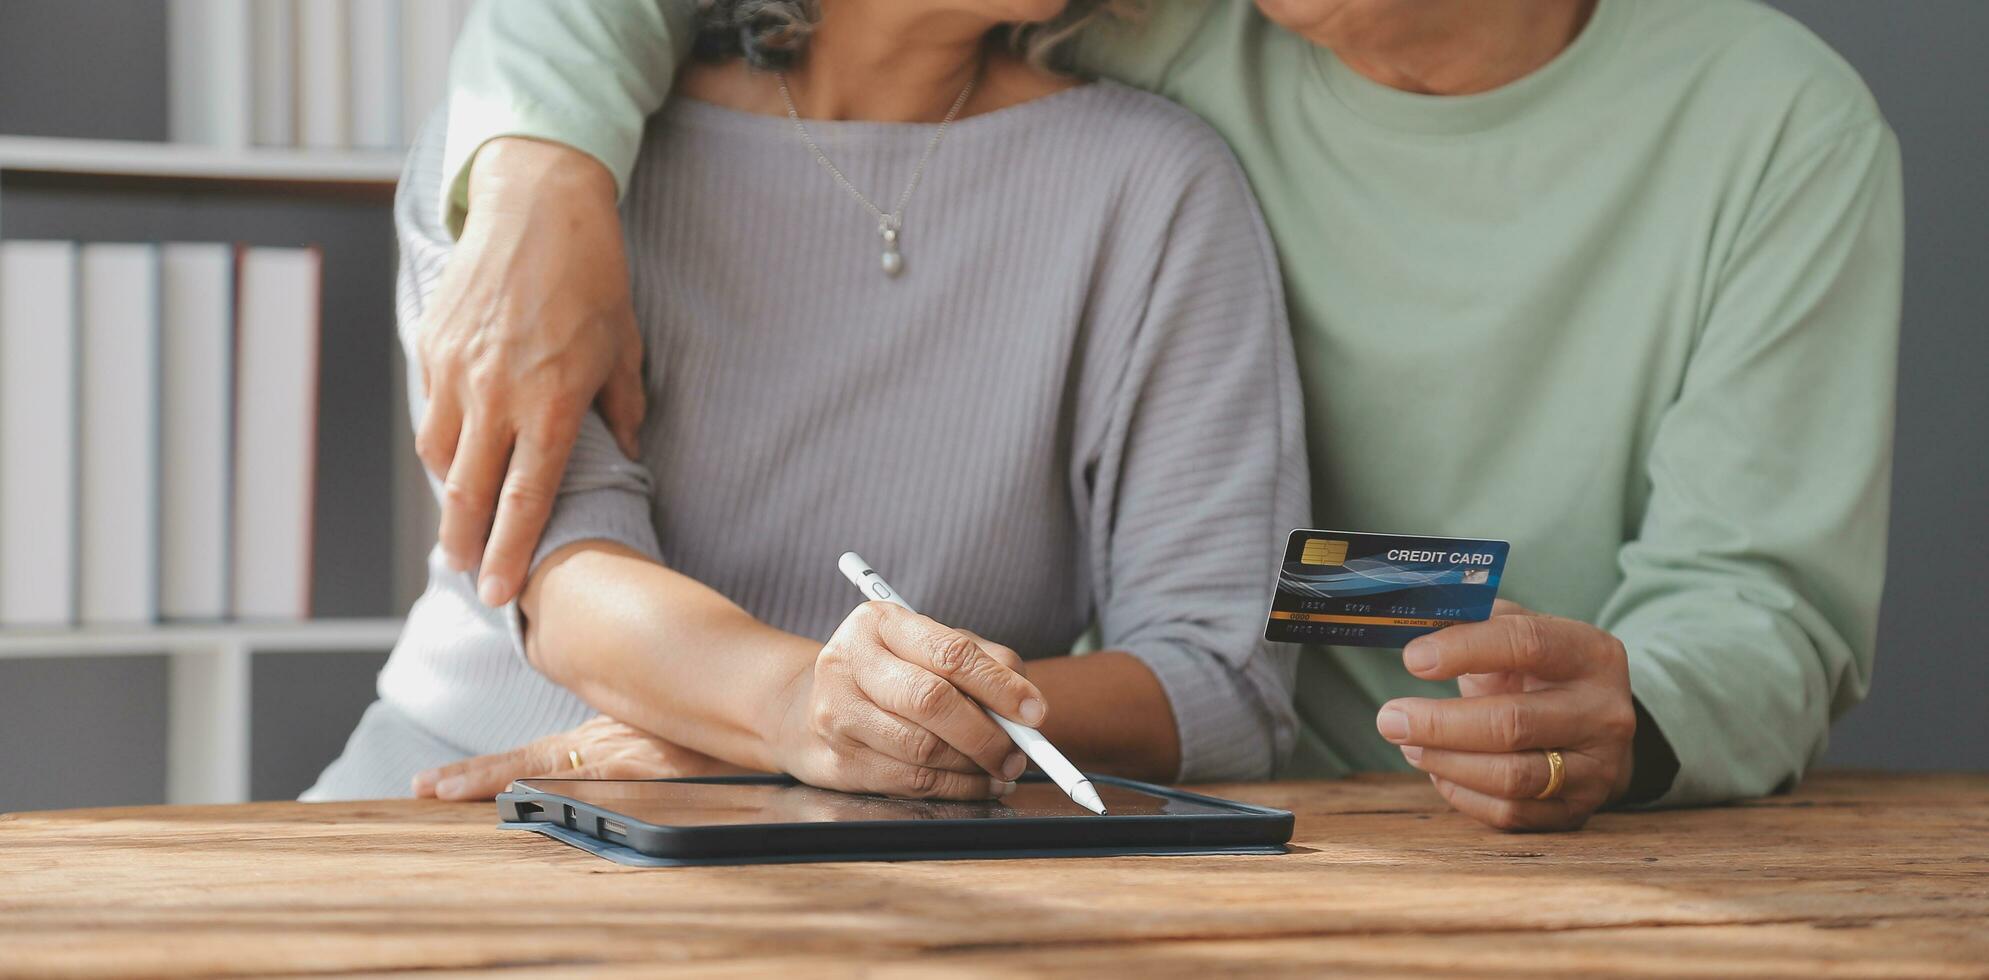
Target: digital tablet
{"x":773,"y":819}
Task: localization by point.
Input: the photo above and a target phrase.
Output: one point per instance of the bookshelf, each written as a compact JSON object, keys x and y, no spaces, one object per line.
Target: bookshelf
{"x":261,"y":126}
{"x":209,"y":688}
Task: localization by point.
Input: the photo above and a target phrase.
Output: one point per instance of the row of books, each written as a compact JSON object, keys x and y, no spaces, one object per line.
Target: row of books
{"x":158,"y":432}
{"x":326,"y":74}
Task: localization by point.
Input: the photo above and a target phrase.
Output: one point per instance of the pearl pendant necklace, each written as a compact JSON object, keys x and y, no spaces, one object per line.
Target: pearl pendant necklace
{"x":892,"y":261}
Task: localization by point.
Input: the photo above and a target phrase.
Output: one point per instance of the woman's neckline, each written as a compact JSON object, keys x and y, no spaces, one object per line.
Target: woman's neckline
{"x":912,"y":89}
{"x":684,"y":109}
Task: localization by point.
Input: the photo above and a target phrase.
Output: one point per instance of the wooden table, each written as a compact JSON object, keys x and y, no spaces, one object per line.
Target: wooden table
{"x":1853,"y":875}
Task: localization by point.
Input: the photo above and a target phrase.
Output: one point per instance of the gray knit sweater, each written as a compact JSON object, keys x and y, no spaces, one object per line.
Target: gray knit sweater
{"x":1077,"y":404}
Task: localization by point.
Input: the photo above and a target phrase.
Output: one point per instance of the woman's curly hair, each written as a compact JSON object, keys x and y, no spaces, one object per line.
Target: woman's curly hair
{"x":771,"y":34}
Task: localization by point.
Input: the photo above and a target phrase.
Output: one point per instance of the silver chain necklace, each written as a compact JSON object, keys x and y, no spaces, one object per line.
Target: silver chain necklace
{"x":888,"y":224}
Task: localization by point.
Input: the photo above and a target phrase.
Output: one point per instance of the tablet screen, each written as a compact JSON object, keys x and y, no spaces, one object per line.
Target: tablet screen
{"x":685,"y":804}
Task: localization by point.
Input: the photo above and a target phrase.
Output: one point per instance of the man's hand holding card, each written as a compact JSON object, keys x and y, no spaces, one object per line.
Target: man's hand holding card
{"x":1535,"y":688}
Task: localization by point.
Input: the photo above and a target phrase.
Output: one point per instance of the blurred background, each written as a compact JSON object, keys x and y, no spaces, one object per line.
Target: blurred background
{"x":107,"y":137}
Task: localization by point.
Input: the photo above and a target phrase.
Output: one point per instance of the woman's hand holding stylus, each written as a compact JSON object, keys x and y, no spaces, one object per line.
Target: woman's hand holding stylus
{"x":892,"y":705}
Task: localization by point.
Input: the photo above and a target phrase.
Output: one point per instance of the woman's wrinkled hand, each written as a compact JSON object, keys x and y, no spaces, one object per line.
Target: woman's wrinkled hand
{"x":606,"y":748}
{"x":1530,"y":682}
{"x":893,"y":706}
{"x":530,"y":325}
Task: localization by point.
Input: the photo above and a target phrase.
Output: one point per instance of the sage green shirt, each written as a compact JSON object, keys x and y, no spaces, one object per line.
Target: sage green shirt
{"x":1636,"y":312}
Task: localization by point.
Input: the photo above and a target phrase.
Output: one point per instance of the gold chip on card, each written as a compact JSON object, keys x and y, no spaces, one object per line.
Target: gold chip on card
{"x":1324,"y":551}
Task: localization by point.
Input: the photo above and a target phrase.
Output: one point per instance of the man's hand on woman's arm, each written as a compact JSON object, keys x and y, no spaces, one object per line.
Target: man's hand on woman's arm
{"x":530,"y":324}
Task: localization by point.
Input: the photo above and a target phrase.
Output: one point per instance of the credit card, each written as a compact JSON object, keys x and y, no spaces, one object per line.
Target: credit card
{"x":1345,"y":588}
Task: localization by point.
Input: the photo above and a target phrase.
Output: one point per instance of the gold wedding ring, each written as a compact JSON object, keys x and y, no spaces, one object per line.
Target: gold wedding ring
{"x":573,"y":756}
{"x":1557,"y":773}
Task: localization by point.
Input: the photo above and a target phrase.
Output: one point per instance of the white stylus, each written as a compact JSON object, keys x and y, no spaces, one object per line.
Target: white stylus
{"x":1030,"y":741}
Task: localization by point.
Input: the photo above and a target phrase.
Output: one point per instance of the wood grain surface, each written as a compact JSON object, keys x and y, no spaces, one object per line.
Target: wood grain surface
{"x":1853,"y":875}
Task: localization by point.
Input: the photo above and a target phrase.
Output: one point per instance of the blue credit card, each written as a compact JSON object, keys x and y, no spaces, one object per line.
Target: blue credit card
{"x":1343,"y":588}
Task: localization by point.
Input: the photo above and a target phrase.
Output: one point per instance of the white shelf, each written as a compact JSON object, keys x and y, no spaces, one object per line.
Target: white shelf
{"x":311,"y":636}
{"x":185,"y":161}
{"x":209,"y":684}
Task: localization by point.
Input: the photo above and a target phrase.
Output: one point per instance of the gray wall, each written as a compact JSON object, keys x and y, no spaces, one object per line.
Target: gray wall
{"x":1929,"y":706}
{"x":91,"y":731}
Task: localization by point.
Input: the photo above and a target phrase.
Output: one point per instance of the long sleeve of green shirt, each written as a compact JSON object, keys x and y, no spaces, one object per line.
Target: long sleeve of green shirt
{"x":1636,"y":313}
{"x":586,"y":74}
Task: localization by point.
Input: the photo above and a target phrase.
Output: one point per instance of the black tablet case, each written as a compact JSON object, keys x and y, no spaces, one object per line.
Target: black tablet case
{"x":1242,"y":828}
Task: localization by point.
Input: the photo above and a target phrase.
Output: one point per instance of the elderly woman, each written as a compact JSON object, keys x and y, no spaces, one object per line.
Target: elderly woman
{"x":1016,"y":338}
{"x":1615,"y":279}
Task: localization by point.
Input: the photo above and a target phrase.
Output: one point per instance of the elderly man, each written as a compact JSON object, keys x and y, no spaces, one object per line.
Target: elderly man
{"x":1617,"y":280}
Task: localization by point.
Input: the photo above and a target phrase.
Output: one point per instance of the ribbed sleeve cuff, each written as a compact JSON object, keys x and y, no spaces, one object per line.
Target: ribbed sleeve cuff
{"x":606,"y":514}
{"x":602,"y":514}
{"x":1223,"y":734}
